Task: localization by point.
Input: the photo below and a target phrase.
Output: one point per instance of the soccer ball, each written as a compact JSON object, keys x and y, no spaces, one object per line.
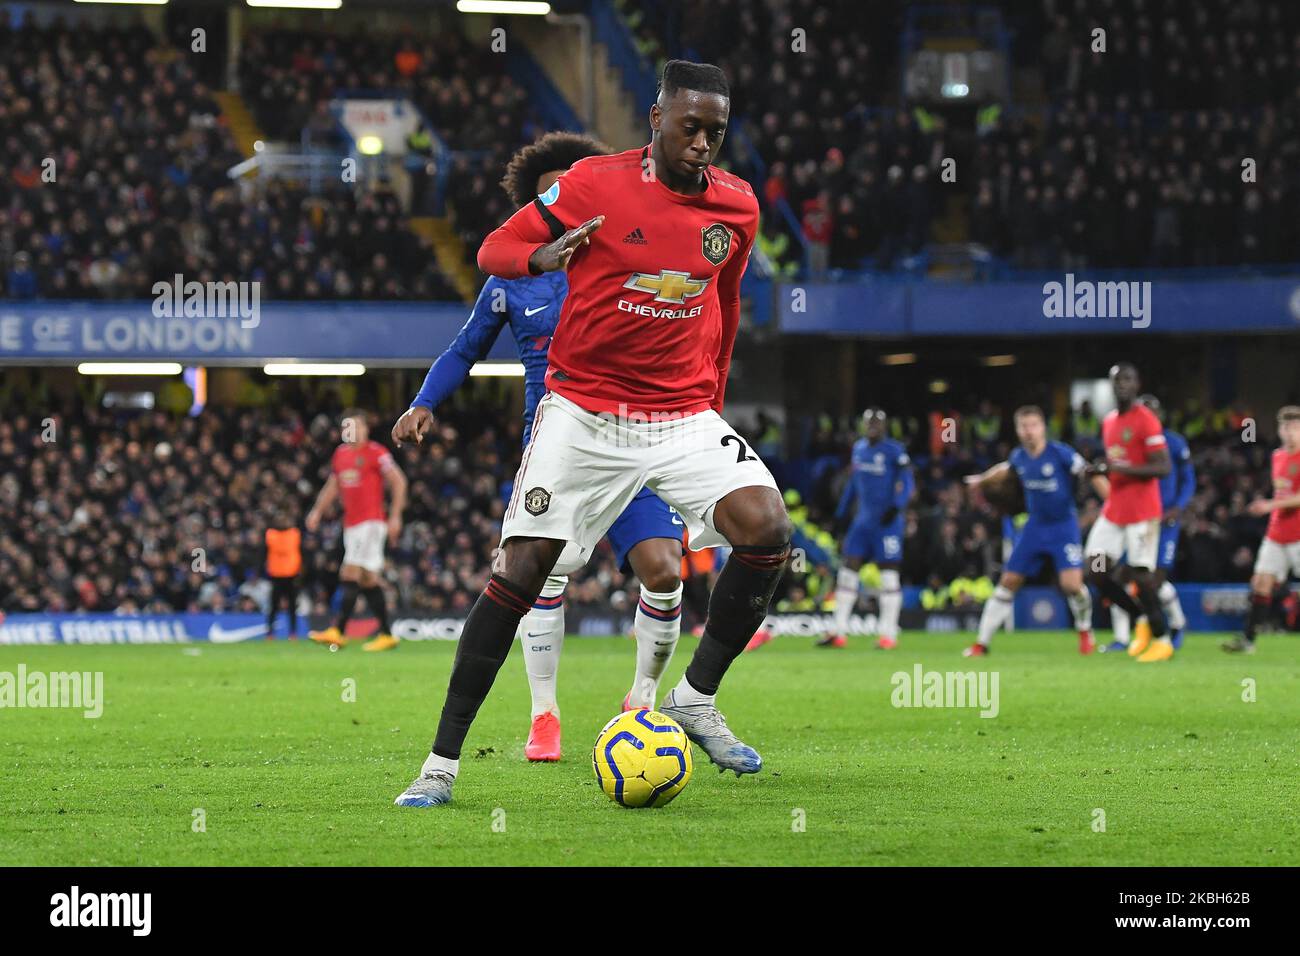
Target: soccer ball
{"x":642,"y":759}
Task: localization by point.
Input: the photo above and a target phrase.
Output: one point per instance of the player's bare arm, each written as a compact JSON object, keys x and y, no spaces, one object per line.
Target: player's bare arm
{"x":415,"y":423}
{"x":1265,"y":506}
{"x":324,"y":501}
{"x":1085,"y":479}
{"x":397,"y":484}
{"x":987,"y":473}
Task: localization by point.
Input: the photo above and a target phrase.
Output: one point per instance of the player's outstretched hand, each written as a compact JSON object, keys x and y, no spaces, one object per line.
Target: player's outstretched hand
{"x":556,"y":255}
{"x":1260,"y":507}
{"x":413,"y":425}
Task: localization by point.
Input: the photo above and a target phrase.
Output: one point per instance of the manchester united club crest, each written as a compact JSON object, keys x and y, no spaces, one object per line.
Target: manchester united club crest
{"x":537,"y":500}
{"x":715,"y":243}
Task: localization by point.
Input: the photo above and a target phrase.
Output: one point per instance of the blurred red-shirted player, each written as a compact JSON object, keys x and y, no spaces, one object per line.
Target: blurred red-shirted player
{"x":359,"y":471}
{"x":1279,"y":552}
{"x":1129,"y":524}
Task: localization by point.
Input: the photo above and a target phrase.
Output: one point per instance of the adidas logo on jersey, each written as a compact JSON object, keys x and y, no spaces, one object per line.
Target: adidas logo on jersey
{"x":636,"y":238}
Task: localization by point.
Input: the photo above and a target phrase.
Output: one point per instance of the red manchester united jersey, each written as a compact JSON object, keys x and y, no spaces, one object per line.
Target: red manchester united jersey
{"x":1284,"y":524}
{"x":654,"y":299}
{"x":360,"y":472}
{"x":1129,"y":438}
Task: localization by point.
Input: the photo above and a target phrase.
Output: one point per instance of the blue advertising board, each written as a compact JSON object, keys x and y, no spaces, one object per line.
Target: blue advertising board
{"x":329,"y":331}
{"x":1061,"y":305}
{"x":1208,"y":607}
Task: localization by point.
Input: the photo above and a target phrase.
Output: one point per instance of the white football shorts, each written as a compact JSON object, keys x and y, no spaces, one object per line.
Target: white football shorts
{"x":363,"y":545}
{"x":1141,"y":541}
{"x":582,"y":469}
{"x":1279,"y":560}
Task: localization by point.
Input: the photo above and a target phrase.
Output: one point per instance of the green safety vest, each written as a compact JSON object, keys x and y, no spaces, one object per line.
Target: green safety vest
{"x":1086,"y":426}
{"x":986,"y":428}
{"x":932,"y":600}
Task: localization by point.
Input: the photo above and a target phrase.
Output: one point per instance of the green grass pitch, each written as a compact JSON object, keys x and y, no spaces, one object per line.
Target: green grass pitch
{"x":286,"y":772}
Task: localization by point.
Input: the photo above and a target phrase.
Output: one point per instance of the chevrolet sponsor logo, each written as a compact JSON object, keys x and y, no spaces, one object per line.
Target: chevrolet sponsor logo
{"x":667,"y":286}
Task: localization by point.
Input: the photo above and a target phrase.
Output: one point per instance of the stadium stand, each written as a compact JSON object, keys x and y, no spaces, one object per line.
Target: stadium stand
{"x":462,"y":90}
{"x":143,"y":150}
{"x":1085,"y":172}
{"x":1130,"y":157}
{"x":105,"y":519}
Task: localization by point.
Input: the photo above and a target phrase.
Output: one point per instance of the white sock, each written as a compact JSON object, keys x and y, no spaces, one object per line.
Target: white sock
{"x":997,"y":611}
{"x":684,"y":695}
{"x":1081,"y":607}
{"x":1120,"y":623}
{"x":846,"y":597}
{"x":1168,"y":595}
{"x":434,"y":762}
{"x":541,"y":632}
{"x":891,"y":603}
{"x":657,"y":628}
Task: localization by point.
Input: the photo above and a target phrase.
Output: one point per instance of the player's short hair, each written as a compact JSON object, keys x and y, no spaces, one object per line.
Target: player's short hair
{"x":1289,"y":413}
{"x":1123,"y":366}
{"x":874,"y":414}
{"x":353,"y":413}
{"x":1026,"y":410}
{"x":701,"y":77}
{"x":558,"y":150}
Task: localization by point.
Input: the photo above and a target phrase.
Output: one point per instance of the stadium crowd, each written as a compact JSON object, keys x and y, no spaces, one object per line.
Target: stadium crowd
{"x":114,"y":176}
{"x":462,"y":89}
{"x":1134,"y":159}
{"x":154,"y":512}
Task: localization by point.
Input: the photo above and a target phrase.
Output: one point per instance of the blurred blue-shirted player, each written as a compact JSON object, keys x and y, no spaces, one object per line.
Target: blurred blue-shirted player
{"x":1176,"y":490}
{"x":647,"y":536}
{"x":1048,"y":472}
{"x":880,"y":485}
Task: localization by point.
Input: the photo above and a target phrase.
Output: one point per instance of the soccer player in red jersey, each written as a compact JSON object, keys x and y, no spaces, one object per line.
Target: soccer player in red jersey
{"x":359,"y":472}
{"x":1136,"y":459}
{"x":1279,"y":552}
{"x":655,"y":241}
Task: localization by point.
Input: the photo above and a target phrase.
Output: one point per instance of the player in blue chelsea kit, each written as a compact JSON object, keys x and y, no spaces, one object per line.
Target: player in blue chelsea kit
{"x":881,"y":485}
{"x":647,"y":536}
{"x":1176,"y":490}
{"x":1047,"y":471}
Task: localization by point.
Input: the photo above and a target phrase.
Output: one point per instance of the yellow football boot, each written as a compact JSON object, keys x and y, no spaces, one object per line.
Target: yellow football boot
{"x":330,"y":635}
{"x":380,"y":642}
{"x":1141,"y":637}
{"x":1161,"y":650}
